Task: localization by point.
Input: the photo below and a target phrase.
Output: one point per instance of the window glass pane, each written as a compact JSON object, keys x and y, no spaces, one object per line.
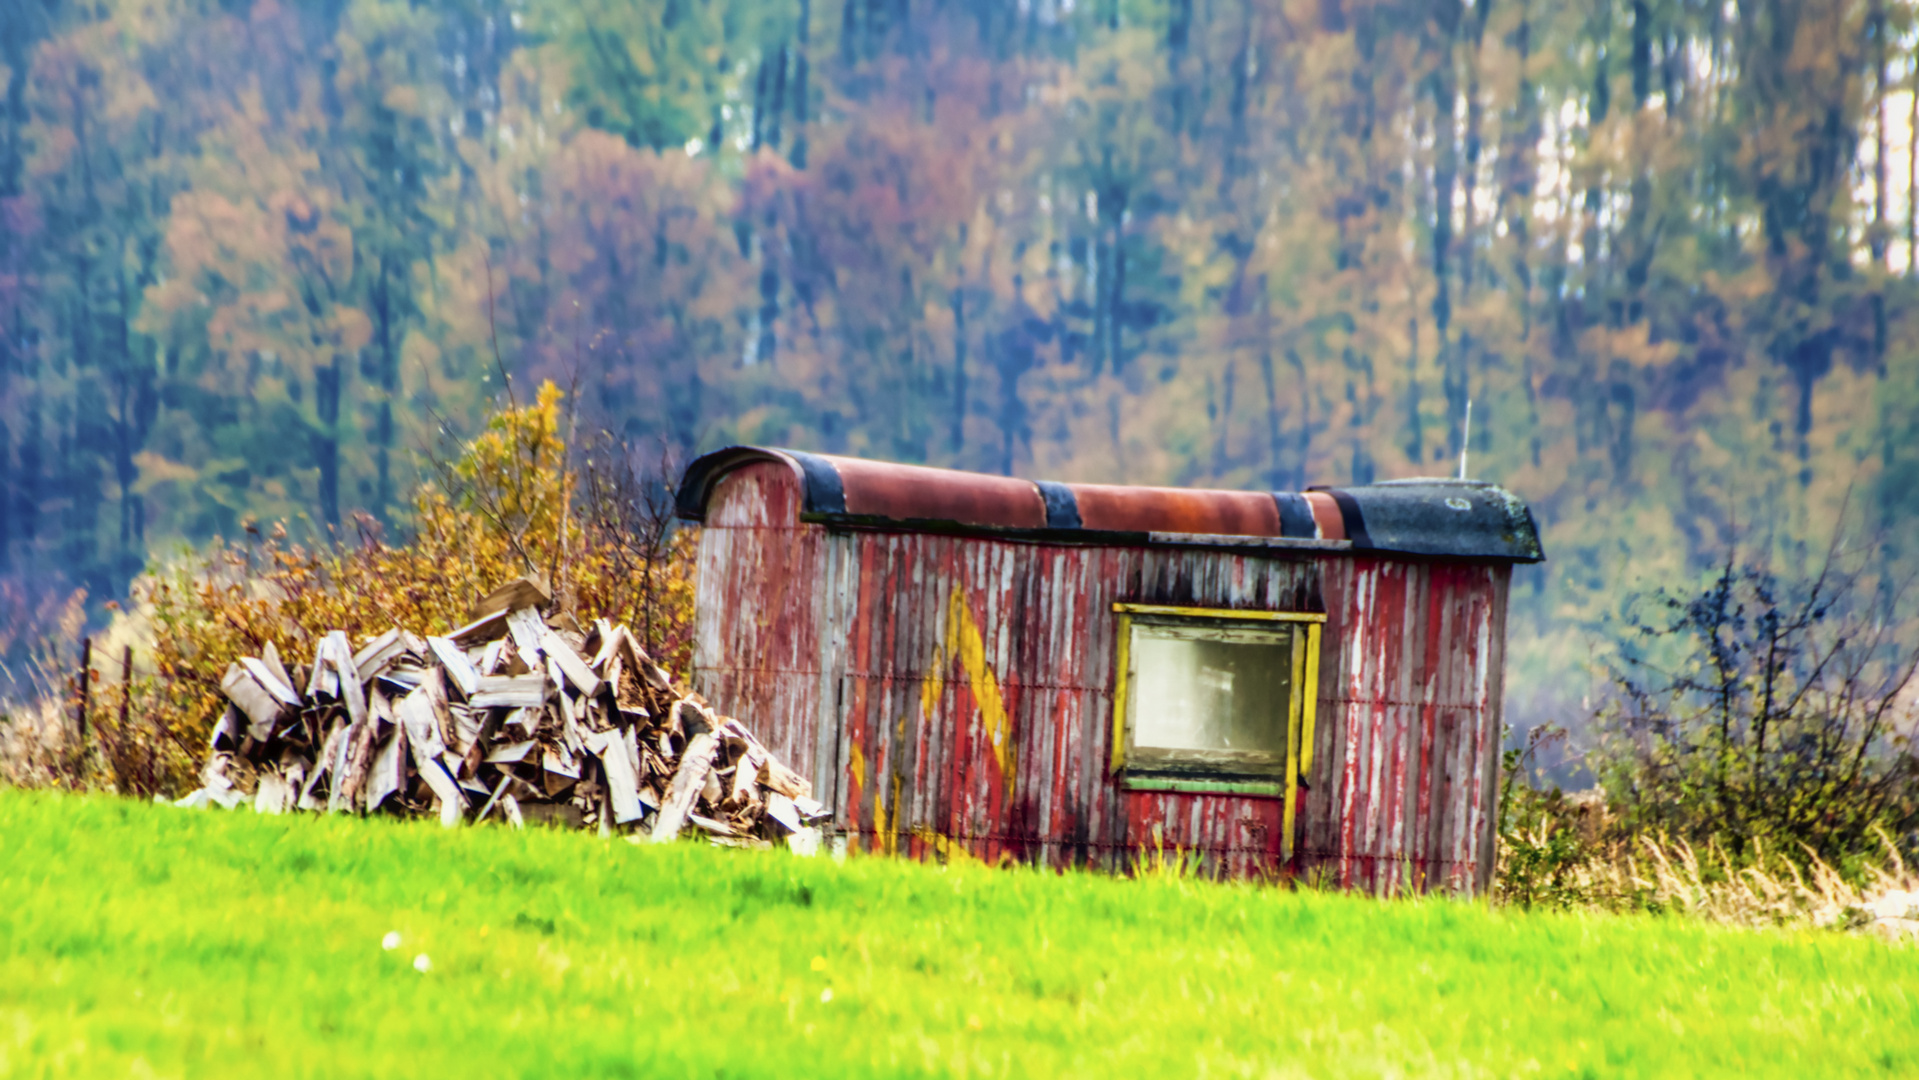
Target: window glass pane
{"x":1211,"y":694}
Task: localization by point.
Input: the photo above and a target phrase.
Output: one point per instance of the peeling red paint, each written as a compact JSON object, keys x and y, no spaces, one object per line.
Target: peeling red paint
{"x":843,"y":648}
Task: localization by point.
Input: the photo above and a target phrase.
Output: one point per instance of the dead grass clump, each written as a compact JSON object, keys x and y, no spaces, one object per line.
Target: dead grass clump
{"x":1671,"y":876}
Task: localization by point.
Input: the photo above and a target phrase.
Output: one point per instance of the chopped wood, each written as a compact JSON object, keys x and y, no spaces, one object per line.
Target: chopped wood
{"x":570,"y":664}
{"x":811,"y":812}
{"x":494,"y":801}
{"x":510,"y":692}
{"x":609,"y":640}
{"x":464,"y":727}
{"x":416,"y":714}
{"x":520,"y":715}
{"x":387,"y":772}
{"x":323,"y":681}
{"x":459,"y":670}
{"x":787,"y":782}
{"x":525,"y":592}
{"x":526,"y":630}
{"x":270,"y":656}
{"x":273,"y":679}
{"x":717,"y":828}
{"x":261,"y":707}
{"x":688,"y":783}
{"x":556,"y":815}
{"x":559,"y":761}
{"x":481,"y":631}
{"x":510,"y":753}
{"x":523,"y":724}
{"x":355,"y":762}
{"x":272,"y":795}
{"x":746,"y":779}
{"x":351,"y":690}
{"x":622,"y":785}
{"x":376,"y":654}
{"x":781,"y":811}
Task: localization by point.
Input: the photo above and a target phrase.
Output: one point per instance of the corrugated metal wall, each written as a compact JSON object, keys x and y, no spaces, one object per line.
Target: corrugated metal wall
{"x":946,"y":690}
{"x":1406,"y":754}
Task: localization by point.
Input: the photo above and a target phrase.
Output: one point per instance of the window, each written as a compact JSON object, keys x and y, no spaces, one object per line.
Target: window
{"x":1215,"y":700}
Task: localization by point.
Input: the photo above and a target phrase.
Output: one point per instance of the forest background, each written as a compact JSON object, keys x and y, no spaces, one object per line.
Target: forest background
{"x":255,"y":256}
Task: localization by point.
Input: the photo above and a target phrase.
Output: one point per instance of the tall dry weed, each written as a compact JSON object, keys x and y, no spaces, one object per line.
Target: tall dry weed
{"x":1653,"y":874}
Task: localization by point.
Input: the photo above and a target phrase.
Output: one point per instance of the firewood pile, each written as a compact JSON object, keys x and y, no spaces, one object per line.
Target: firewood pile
{"x":516,"y":716}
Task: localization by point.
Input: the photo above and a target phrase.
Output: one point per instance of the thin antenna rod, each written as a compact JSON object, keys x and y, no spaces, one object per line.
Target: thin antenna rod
{"x":1465,"y":437}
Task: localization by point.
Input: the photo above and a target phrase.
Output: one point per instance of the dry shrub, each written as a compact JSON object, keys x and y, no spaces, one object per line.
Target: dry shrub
{"x":1657,"y":875}
{"x":507,"y":505}
{"x":39,"y":734}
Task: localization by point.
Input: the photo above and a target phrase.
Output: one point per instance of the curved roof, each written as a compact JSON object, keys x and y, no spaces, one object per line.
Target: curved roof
{"x":1448,"y":518}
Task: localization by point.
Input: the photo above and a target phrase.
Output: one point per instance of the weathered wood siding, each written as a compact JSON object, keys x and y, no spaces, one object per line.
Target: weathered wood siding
{"x":957,"y":690}
{"x":1406,"y":753}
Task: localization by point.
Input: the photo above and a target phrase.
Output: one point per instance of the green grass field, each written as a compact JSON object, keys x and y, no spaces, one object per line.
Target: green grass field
{"x":142,"y":940}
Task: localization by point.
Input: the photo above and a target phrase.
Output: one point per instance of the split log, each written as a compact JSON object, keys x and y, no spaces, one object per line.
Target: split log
{"x":524,"y":592}
{"x":717,"y":828}
{"x":510,"y":692}
{"x":376,"y":654}
{"x":510,"y":753}
{"x":526,"y":630}
{"x":355,"y":760}
{"x":271,"y":796}
{"x":695,"y":765}
{"x":569,"y":663}
{"x":273,"y":679}
{"x":270,"y":656}
{"x":481,"y":631}
{"x":622,"y":785}
{"x":780,"y":811}
{"x":261,"y":707}
{"x":386,"y":774}
{"x":459,"y":670}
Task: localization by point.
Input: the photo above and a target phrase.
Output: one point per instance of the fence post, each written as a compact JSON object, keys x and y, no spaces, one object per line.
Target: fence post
{"x":86,"y":686}
{"x":126,"y":689}
{"x":126,"y":701}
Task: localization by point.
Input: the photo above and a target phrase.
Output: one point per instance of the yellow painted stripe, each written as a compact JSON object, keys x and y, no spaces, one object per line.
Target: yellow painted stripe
{"x":964,"y":641}
{"x":1121,"y":680}
{"x":1221,"y":613}
{"x":1293,"y":727}
{"x":1311,"y":705}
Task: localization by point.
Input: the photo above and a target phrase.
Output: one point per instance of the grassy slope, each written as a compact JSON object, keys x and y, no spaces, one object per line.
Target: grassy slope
{"x":193,"y":943}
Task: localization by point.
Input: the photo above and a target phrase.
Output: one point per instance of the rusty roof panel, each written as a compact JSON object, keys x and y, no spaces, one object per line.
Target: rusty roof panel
{"x":878,"y":489}
{"x":1111,"y":508}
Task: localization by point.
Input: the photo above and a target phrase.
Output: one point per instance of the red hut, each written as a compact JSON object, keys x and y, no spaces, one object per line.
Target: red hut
{"x":1273,"y":682}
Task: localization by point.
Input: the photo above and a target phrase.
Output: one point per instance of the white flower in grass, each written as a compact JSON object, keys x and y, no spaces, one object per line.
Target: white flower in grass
{"x":826,"y":995}
{"x":391,"y":941}
{"x":422,"y":964}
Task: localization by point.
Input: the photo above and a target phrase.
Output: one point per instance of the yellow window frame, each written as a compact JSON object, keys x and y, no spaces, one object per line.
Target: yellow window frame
{"x":1301,"y":709}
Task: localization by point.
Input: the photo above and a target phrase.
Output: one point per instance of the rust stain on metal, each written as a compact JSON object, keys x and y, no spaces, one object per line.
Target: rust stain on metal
{"x":908,"y":492}
{"x":1148,"y":509}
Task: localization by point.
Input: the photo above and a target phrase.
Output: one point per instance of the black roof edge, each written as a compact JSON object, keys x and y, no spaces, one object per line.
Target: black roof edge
{"x":1445,"y":518}
{"x":696,"y":483}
